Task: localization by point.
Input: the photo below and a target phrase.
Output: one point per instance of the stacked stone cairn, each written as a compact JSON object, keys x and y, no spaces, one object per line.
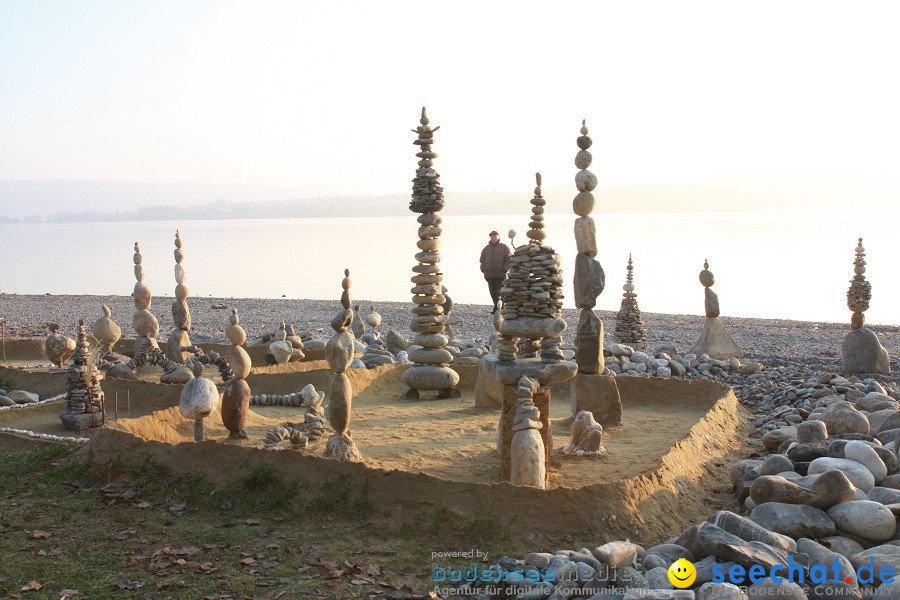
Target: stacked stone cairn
{"x":236,"y":396}
{"x":532,"y":294}
{"x":295,"y":340}
{"x":861,"y":351}
{"x":199,"y":398}
{"x":144,"y":323}
{"x":714,"y":340}
{"x":181,"y":315}
{"x":629,"y":326}
{"x":529,"y":311}
{"x":281,"y":350}
{"x":528,"y":456}
{"x":84,"y":398}
{"x":592,"y":389}
{"x":57,"y":347}
{"x":430,"y":371}
{"x":339,"y":354}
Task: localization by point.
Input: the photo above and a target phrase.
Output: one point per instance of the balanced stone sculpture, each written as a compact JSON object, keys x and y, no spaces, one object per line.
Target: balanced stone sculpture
{"x":593,"y":388}
{"x":58,"y":347}
{"x":528,"y":456}
{"x":295,"y":341}
{"x":530,"y":310}
{"x":532,"y":293}
{"x":629,"y":325}
{"x":106,"y":331}
{"x":431,"y":370}
{"x":199,"y":399}
{"x":84,"y":398}
{"x":373,"y":319}
{"x":861,"y":351}
{"x":714,"y":340}
{"x":339,"y":354}
{"x":144,"y":323}
{"x":359,"y":324}
{"x":181,"y":314}
{"x":281,"y":349}
{"x":236,"y":396}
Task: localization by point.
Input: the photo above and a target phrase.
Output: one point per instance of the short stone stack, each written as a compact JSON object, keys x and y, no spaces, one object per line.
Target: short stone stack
{"x":629,"y":325}
{"x":431,"y":370}
{"x":714,"y":340}
{"x":861,"y":351}
{"x":532,"y":294}
{"x":181,"y":314}
{"x":592,"y":389}
{"x":236,"y":396}
{"x":339,"y":354}
{"x":84,"y":398}
{"x":144,"y":323}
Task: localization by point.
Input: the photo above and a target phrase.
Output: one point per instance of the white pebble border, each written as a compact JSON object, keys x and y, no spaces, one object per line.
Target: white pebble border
{"x":38,"y":403}
{"x":45,"y":436}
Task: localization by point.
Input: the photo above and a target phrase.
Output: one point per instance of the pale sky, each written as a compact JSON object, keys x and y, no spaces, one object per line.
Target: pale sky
{"x":320,"y":96}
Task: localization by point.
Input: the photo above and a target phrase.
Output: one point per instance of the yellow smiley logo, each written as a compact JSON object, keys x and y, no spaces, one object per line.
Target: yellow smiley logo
{"x":682,"y":573}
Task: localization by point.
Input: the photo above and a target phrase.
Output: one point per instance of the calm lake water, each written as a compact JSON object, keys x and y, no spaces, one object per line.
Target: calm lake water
{"x":792,"y":266}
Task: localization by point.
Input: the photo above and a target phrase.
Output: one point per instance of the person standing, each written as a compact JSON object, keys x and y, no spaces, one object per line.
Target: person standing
{"x":494,"y":265}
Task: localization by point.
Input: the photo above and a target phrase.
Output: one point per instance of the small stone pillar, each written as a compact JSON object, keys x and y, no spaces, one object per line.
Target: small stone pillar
{"x":593,"y":388}
{"x":236,"y":396}
{"x":714,"y":340}
{"x":861,"y":351}
{"x":144,"y":322}
{"x":339,"y":354}
{"x":181,"y":314}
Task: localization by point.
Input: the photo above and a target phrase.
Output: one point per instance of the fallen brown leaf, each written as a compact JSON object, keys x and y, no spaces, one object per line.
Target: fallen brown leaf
{"x":39,"y":535}
{"x":31,"y":586}
{"x":69,"y":593}
{"x":253,"y":521}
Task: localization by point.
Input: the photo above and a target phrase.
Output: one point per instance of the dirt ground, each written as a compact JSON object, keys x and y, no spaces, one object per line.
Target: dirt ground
{"x":663,"y":467}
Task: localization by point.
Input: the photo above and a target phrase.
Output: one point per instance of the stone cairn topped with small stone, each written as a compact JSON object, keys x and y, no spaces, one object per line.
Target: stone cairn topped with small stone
{"x":629,"y":325}
{"x":84,"y":398}
{"x":181,"y":314}
{"x":528,"y":455}
{"x":106,"y":331}
{"x":714,"y":340}
{"x":592,"y":389}
{"x":236,"y":396}
{"x":339,"y":354}
{"x":144,"y":323}
{"x":861,"y":351}
{"x":430,"y":371}
{"x":532,"y":294}
{"x":530,"y":312}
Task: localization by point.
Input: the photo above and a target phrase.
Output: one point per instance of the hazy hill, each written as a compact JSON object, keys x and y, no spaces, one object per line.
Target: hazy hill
{"x":78,"y":201}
